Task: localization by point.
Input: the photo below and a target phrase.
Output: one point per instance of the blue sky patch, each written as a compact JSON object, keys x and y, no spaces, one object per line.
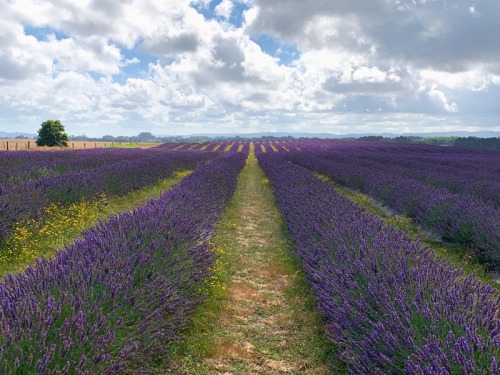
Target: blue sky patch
{"x":287,"y":53}
{"x":136,"y":70}
{"x":40,"y":33}
{"x":236,"y":17}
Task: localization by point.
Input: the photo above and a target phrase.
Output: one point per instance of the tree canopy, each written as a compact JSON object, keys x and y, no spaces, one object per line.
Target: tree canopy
{"x":52,"y":134}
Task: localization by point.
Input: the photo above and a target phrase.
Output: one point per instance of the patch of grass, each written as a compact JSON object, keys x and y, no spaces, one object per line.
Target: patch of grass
{"x":61,"y":226}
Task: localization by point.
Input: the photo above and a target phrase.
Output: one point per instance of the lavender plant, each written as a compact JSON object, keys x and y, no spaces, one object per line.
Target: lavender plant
{"x":140,"y":168}
{"x":457,"y":217}
{"x":389,"y":303}
{"x":125,"y":288}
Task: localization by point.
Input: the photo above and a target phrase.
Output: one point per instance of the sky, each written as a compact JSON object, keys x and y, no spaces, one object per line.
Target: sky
{"x":179,"y":67}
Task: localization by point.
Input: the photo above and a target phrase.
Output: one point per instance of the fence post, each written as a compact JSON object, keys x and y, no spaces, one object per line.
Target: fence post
{"x":73,"y":145}
{"x":16,"y":146}
{"x":28,"y":145}
{"x":7,"y":145}
{"x":96,"y":145}
{"x":84,"y":145}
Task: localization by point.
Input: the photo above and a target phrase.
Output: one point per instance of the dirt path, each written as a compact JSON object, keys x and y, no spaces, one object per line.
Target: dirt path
{"x":266,"y":323}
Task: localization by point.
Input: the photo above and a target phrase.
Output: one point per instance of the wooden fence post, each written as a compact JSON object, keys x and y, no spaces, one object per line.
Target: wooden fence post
{"x":7,"y":146}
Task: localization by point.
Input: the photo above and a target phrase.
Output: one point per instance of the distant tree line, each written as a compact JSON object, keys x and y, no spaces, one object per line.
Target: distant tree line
{"x":18,"y":137}
{"x":492,"y":143}
{"x":146,"y":137}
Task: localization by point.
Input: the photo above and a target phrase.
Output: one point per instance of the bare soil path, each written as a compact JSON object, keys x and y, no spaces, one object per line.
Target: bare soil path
{"x":265,"y":320}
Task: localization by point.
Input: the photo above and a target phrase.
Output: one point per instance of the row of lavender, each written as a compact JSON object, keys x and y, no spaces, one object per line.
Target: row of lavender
{"x":457,"y":217}
{"x":382,"y":147}
{"x":390,"y":305}
{"x":17,"y":167}
{"x":138,"y":168}
{"x":447,"y":171}
{"x":205,"y":146}
{"x":127,"y":287}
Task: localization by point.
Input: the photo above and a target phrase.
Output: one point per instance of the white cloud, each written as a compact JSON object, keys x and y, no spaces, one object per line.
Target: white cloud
{"x":355,"y":64}
{"x":371,"y":75}
{"x":440,"y":98}
{"x":224,"y":8}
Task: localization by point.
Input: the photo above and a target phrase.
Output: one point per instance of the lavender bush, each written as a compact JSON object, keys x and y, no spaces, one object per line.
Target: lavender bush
{"x":140,"y":168}
{"x":126,"y":287}
{"x":457,"y":217}
{"x":389,"y":303}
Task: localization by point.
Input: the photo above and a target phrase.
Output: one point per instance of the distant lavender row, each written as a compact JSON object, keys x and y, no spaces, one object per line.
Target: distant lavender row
{"x":457,"y":217}
{"x":475,"y":175}
{"x":402,"y":148}
{"x":140,"y":168}
{"x":19,"y":166}
{"x":127,"y":287}
{"x":206,"y":146}
{"x":390,"y":305}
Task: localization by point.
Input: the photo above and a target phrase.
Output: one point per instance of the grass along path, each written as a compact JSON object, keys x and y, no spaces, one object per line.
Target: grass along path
{"x":62,"y":226}
{"x":261,"y":317}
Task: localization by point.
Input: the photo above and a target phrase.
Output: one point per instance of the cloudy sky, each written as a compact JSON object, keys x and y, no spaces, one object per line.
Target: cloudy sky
{"x":181,"y":67}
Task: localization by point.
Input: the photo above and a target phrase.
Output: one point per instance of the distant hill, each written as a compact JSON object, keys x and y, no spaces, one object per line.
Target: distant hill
{"x":16,"y":134}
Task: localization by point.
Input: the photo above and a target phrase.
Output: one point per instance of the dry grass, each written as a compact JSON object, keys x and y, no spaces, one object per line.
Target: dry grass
{"x":29,"y":144}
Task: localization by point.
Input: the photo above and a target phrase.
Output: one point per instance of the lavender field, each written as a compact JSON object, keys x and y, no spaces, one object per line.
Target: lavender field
{"x":140,"y":282}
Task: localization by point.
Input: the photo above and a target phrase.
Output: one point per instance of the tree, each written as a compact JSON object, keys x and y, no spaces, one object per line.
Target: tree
{"x":108,"y":138}
{"x":145,"y":136}
{"x":52,"y":134}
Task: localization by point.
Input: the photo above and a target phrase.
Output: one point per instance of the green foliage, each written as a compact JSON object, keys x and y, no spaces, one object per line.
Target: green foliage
{"x":52,"y":134}
{"x":492,"y":143}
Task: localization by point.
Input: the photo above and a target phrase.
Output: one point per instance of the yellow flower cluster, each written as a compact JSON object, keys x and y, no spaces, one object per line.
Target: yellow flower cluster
{"x":404,"y":222}
{"x":56,"y":226}
{"x":180,"y":174}
{"x":216,"y":282}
